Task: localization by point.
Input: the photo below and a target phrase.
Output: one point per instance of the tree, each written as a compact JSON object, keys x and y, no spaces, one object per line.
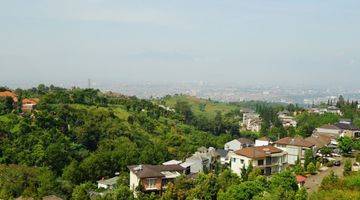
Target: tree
{"x":347,"y":167}
{"x":184,"y":109}
{"x":325,"y":150}
{"x":243,"y":191}
{"x":309,"y":157}
{"x":301,"y":194}
{"x":81,"y":192}
{"x":311,"y":168}
{"x":329,"y":181}
{"x":345,"y":144}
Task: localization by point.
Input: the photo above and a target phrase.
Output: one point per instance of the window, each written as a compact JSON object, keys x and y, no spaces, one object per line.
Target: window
{"x":234,"y":160}
{"x":242,"y":161}
{"x":151,"y":182}
{"x":260,"y":162}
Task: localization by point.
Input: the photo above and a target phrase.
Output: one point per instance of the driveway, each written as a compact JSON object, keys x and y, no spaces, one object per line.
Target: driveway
{"x":313,"y":182}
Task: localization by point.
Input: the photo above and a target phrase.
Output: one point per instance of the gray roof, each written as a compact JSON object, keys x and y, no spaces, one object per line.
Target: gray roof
{"x":222,"y":152}
{"x":149,"y":171}
{"x":110,"y":181}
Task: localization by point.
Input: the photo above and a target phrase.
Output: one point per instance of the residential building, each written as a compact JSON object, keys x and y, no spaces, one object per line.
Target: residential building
{"x":343,"y":128}
{"x":320,"y":141}
{"x":202,"y":160}
{"x":10,"y":94}
{"x":267,"y":158}
{"x":224,"y":158}
{"x":153,"y":178}
{"x":334,"y":110}
{"x":286,"y":119}
{"x":108,"y":183}
{"x":29,"y":104}
{"x":237,"y":144}
{"x":294,"y":147}
{"x":251,"y":122}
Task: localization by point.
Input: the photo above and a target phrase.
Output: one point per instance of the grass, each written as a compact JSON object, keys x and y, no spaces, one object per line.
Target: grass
{"x":211,"y":107}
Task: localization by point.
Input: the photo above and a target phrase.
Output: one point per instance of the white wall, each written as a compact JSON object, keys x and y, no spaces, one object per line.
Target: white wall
{"x":259,"y":143}
{"x":236,"y":164}
{"x":233,"y":145}
{"x":134,"y":181}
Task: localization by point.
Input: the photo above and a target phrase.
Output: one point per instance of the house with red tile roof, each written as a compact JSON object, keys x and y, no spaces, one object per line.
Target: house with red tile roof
{"x":5,"y":94}
{"x":295,"y":148}
{"x":29,"y":104}
{"x":267,"y":158}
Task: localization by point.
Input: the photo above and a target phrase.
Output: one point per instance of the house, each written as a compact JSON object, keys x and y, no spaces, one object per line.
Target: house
{"x":300,"y":180}
{"x":267,"y":158}
{"x":286,"y":119}
{"x":202,"y":160}
{"x":29,"y":104}
{"x":172,"y":162}
{"x":263,"y":141}
{"x":224,"y":158}
{"x":153,"y":178}
{"x":295,"y":148}
{"x":328,"y":130}
{"x":343,"y":128}
{"x":108,"y":183}
{"x":237,"y":144}
{"x":334,"y":110}
{"x":320,"y":141}
{"x":251,"y":122}
{"x":10,"y":94}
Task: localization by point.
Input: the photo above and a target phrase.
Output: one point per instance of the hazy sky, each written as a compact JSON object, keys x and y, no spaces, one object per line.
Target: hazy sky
{"x":247,"y":42}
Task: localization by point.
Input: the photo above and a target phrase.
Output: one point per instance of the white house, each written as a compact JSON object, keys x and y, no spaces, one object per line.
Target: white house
{"x":267,"y":158}
{"x":237,"y":144}
{"x":263,"y":141}
{"x":294,"y":147}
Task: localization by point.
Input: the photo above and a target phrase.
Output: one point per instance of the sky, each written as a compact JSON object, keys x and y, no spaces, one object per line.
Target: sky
{"x":275,"y":42}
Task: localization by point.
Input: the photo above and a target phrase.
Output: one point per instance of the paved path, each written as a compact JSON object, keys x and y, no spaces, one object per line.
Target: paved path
{"x":313,"y":182}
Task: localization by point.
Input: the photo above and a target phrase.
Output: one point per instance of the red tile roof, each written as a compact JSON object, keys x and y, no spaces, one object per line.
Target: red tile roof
{"x":258,"y":152}
{"x":9,"y":94}
{"x":295,"y":141}
{"x":30,"y":101}
{"x":300,"y":179}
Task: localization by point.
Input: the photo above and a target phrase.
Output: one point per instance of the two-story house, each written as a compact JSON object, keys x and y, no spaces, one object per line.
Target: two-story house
{"x":295,"y":148}
{"x":267,"y":158}
{"x":153,"y":178}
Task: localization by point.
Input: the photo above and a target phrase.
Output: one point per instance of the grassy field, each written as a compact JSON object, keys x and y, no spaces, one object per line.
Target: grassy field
{"x":118,"y":109}
{"x":200,"y":106}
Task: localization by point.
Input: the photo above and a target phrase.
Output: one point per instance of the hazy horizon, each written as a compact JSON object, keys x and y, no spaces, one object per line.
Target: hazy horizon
{"x":243,"y":42}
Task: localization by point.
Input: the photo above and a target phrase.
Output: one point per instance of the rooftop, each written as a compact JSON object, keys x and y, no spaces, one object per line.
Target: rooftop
{"x":110,"y":181}
{"x":149,"y":171}
{"x":295,"y":141}
{"x":258,"y":152}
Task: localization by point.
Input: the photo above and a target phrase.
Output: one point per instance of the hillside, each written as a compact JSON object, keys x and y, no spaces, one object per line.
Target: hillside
{"x":200,"y":106}
{"x":81,"y":135}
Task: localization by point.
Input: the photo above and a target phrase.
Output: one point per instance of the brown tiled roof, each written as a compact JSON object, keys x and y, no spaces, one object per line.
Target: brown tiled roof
{"x":258,"y":152}
{"x":30,"y":101}
{"x":319,"y":140}
{"x":148,"y":171}
{"x":295,"y":141}
{"x":9,"y":94}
